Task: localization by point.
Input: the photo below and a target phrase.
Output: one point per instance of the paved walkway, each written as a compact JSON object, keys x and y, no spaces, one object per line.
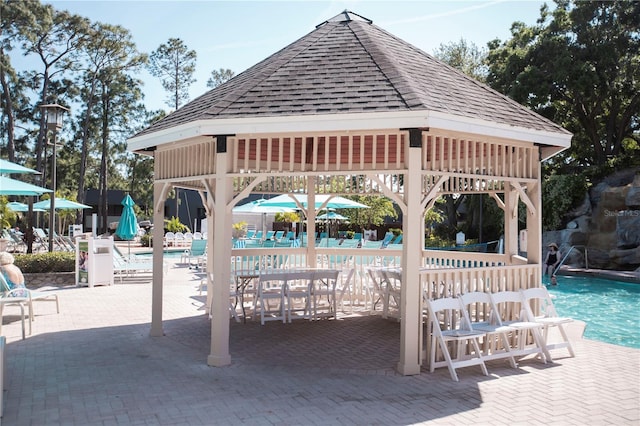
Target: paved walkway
{"x":95,"y":364}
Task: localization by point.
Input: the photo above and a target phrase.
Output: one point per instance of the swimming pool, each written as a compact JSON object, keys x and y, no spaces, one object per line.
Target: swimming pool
{"x":167,"y":253}
{"x":610,"y":308}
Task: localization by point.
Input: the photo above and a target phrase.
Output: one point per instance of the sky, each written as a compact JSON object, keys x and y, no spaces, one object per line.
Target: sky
{"x":238,"y":34}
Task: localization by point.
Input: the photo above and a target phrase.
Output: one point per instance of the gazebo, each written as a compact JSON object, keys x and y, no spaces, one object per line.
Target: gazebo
{"x":351,"y":109}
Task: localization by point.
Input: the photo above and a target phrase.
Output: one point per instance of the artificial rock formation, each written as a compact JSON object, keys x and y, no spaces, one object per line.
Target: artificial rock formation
{"x":606,"y":224}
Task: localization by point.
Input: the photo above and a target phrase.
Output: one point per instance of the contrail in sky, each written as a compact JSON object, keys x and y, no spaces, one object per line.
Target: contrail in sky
{"x":444,"y":14}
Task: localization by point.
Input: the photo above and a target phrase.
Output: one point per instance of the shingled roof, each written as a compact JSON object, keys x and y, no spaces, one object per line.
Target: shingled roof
{"x":349,"y":65}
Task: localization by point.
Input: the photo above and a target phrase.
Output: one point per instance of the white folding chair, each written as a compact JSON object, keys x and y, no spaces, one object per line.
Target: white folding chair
{"x":271,"y":287}
{"x":481,"y":316}
{"x":448,"y":326}
{"x":233,"y":297}
{"x":509,"y":311}
{"x":391,"y":284}
{"x":323,"y":293}
{"x":539,"y":308}
{"x":298,"y":288}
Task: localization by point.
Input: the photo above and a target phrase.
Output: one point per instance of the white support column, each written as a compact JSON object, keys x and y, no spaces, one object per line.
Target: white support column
{"x":411,"y":296}
{"x":210,"y":221}
{"x":312,"y":258}
{"x":221,"y":264}
{"x":510,"y":222}
{"x":534,"y":225}
{"x":159,"y":194}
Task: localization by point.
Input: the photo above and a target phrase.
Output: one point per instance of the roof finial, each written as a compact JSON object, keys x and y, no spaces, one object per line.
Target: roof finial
{"x":346,"y":16}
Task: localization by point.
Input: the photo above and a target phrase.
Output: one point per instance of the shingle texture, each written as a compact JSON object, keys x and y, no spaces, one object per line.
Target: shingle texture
{"x":352,"y":66}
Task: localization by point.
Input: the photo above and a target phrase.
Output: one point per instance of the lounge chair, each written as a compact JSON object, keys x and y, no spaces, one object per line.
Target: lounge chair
{"x":16,"y":243}
{"x":40,"y":240}
{"x":387,"y":239}
{"x":198,"y":249}
{"x":130,"y":267}
{"x":25,"y":297}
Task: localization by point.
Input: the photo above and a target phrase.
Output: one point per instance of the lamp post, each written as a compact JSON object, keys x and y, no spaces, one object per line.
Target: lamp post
{"x":54,"y":114}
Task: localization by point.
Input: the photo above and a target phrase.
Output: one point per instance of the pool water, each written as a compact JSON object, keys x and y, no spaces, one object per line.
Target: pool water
{"x":610,"y":308}
{"x":167,"y":253}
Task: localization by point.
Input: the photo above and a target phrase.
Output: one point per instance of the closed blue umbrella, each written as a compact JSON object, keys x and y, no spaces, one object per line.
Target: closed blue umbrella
{"x":128,"y":225}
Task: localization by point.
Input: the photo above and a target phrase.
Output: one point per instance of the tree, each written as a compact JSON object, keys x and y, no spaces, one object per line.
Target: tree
{"x":465,"y":57}
{"x":108,"y":51}
{"x":175,"y":65}
{"x":52,"y":37}
{"x":578,"y":66}
{"x":219,"y":76}
{"x":379,"y":209}
{"x":119,"y":95}
{"x":15,"y":16}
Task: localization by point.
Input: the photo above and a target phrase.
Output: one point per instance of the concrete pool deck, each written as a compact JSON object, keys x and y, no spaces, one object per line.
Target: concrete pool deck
{"x":95,"y":364}
{"x":625,"y":276}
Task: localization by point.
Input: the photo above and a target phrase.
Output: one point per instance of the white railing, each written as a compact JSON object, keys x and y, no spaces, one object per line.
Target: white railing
{"x":444,"y":273}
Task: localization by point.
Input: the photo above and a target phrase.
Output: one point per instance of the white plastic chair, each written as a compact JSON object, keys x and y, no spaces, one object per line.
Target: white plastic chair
{"x":179,"y":239}
{"x":538,"y":300}
{"x":169,"y":239}
{"x":448,"y":326}
{"x":481,"y":316}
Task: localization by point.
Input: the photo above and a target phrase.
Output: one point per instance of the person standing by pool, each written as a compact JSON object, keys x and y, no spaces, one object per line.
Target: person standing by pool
{"x":552,"y":260}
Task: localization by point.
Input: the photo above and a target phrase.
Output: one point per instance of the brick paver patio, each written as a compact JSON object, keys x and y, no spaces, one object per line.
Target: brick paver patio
{"x":95,"y":364}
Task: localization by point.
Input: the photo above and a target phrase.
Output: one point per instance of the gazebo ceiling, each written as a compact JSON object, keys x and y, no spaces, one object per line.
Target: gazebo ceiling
{"x":349,"y":74}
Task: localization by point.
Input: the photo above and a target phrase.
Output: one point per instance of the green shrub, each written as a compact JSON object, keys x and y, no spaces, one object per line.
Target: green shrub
{"x":395,"y":231}
{"x":174,"y":225}
{"x":146,"y":240}
{"x":46,"y":262}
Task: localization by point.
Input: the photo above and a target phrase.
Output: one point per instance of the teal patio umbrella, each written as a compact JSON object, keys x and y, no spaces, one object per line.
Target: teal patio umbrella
{"x":10,"y":168}
{"x":321,"y":200}
{"x":10,"y":186}
{"x":128,"y":224}
{"x":257,"y":207}
{"x":21,"y":207}
{"x":331,"y":216}
{"x":61,"y":204}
